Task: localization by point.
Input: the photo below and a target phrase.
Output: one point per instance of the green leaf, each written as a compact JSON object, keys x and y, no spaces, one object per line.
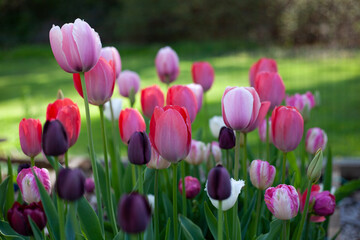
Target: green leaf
{"x":36,"y":231}
{"x":3,"y":189}
{"x":127,"y":181}
{"x":211,"y":220}
{"x":9,"y":233}
{"x":274,"y":233}
{"x":119,"y":236}
{"x":246,"y":218}
{"x":149,"y":234}
{"x":52,"y":162}
{"x":291,"y":158}
{"x":190,"y":230}
{"x":10,"y":196}
{"x":347,"y":189}
{"x":336,"y":235}
{"x":328,"y":171}
{"x":167,"y":231}
{"x":149,"y":178}
{"x":167,"y":205}
{"x":89,"y":220}
{"x":71,"y":224}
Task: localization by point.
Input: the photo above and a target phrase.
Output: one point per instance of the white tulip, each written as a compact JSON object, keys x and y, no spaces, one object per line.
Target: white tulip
{"x":116,"y":104}
{"x":215,"y":124}
{"x":151,"y":200}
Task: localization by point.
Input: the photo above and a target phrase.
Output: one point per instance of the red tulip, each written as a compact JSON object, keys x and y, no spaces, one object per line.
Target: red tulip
{"x":203,"y":74}
{"x":270,"y":87}
{"x":184,"y":97}
{"x":287,"y":127}
{"x":262,"y":65}
{"x":150,"y":98}
{"x":30,"y":131}
{"x":170,"y":132}
{"x":67,"y":112}
{"x":130,"y":121}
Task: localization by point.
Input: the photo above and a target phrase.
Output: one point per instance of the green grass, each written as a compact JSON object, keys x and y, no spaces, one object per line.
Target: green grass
{"x":30,"y":79}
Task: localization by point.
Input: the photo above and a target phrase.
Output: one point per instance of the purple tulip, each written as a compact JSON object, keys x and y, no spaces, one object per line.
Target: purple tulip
{"x":192,"y":187}
{"x":89,"y":185}
{"x":127,"y":81}
{"x":226,"y":138}
{"x":218,"y":185}
{"x":54,"y":138}
{"x":324,"y":204}
{"x":139,"y":149}
{"x":167,"y":65}
{"x":70,"y":184}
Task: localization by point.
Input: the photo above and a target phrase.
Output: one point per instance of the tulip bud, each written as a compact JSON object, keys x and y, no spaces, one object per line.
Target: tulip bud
{"x":89,"y":185}
{"x":54,"y":138}
{"x":314,"y":169}
{"x":199,"y":153}
{"x":167,"y":65}
{"x":150,"y":98}
{"x":218,"y":184}
{"x":134,"y":213}
{"x":70,"y":184}
{"x":215,"y":151}
{"x":315,"y":138}
{"x":156,"y":161}
{"x":215,"y":124}
{"x":192,"y":187}
{"x":262,"y":65}
{"x":270,"y":87}
{"x":30,"y":136}
{"x":139,"y":149}
{"x":127,"y":81}
{"x":226,"y":138}
{"x":324,"y":204}
{"x":116,"y":107}
{"x":60,"y":94}
{"x":262,"y":174}
{"x":203,"y":74}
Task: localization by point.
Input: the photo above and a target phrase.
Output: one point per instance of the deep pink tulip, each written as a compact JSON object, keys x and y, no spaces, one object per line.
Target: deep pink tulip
{"x":76,"y":46}
{"x":183,"y":96}
{"x":270,"y":87}
{"x":150,"y":98}
{"x":192,"y":187}
{"x":262,"y":65}
{"x":128,"y":80}
{"x":198,"y":92}
{"x":203,"y":74}
{"x":30,"y":131}
{"x":170,"y":132}
{"x":112,"y":54}
{"x":167,"y":65}
{"x":287,"y":127}
{"x":324,"y":204}
{"x":262,"y":131}
{"x":315,"y":138}
{"x":100,"y":82}
{"x":130,"y":121}
{"x":262,"y":174}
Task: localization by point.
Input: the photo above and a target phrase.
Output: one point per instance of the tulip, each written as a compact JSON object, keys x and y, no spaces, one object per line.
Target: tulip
{"x":315,"y":138}
{"x":198,"y":153}
{"x":198,"y":92}
{"x":282,"y":201}
{"x":151,"y":200}
{"x":262,"y":174}
{"x":270,"y":87}
{"x":215,"y":151}
{"x":324,"y":204}
{"x":30,"y":136}
{"x":170,"y":132}
{"x":192,"y":187}
{"x":183,"y":96}
{"x":215,"y":124}
{"x":76,"y":46}
{"x":129,"y":83}
{"x":27,"y":183}
{"x":167,"y":65}
{"x":150,"y":98}
{"x":89,"y":185}
{"x":18,"y":217}
{"x":226,"y":138}
{"x":218,"y":184}
{"x":203,"y":74}
{"x":315,"y":189}
{"x":134,"y":213}
{"x":262,"y":131}
{"x":70,"y":184}
{"x":130,"y":121}
{"x":139,"y":149}
{"x":116,"y":107}
{"x":156,"y":161}
{"x":287,"y":126}
{"x":100,"y":82}
{"x":314,"y":169}
{"x":68,"y":113}
{"x":262,"y":65}
{"x":228,"y":203}
{"x":112,"y":54}
{"x":54,"y":138}
{"x":303,"y":102}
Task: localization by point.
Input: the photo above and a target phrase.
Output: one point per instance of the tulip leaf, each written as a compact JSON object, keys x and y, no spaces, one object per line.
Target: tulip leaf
{"x":10,"y":196}
{"x":246,"y":218}
{"x":127,"y":181}
{"x":148,"y":179}
{"x":291,"y":158}
{"x":149,"y":234}
{"x":347,"y":189}
{"x":274,"y":233}
{"x":71,"y":225}
{"x":190,"y":229}
{"x":328,"y":171}
{"x":89,"y":220}
{"x":211,"y":220}
{"x":36,"y":231}
{"x":167,"y":229}
{"x":52,"y":162}
{"x":119,"y":236}
{"x":3,"y":189}
{"x":9,"y":233}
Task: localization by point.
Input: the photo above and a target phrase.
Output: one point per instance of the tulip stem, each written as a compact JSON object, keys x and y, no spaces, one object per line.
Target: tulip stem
{"x":156,"y":196}
{"x":258,"y":207}
{"x":283,"y":168}
{"x":133,"y":175}
{"x":60,"y":205}
{"x":92,"y":155}
{"x":304,"y":213}
{"x":107,"y":173}
{"x":226,"y":225}
{"x":236,"y":176}
{"x":220,"y":221}
{"x":244,"y":168}
{"x":284,"y":229}
{"x":307,"y":227}
{"x":141,"y":179}
{"x":184,"y":211}
{"x":66,"y":159}
{"x":32,"y":161}
{"x":228,"y":165}
{"x":267,"y":139}
{"x":175,"y":214}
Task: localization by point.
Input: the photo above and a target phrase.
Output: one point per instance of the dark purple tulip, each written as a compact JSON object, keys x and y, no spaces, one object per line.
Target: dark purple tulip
{"x":134,"y":213}
{"x":324,"y":204}
{"x":89,"y":185}
{"x":23,"y":166}
{"x":226,"y":138}
{"x":139,"y":149}
{"x":54,"y":138}
{"x":218,"y":184}
{"x":18,"y":217}
{"x":192,"y":186}
{"x":70,"y":184}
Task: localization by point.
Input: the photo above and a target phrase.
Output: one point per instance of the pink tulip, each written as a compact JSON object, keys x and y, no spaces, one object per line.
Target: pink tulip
{"x":167,"y":65}
{"x":156,"y":161}
{"x":30,"y":131}
{"x":262,"y":65}
{"x":112,"y":54}
{"x":198,"y":153}
{"x":203,"y":74}
{"x":262,"y":174}
{"x":192,"y":187}
{"x":287,"y":127}
{"x":183,"y":96}
{"x":128,"y":80}
{"x":100,"y":82}
{"x":324,"y":204}
{"x":262,"y":131}
{"x":303,"y":102}
{"x":282,"y":201}
{"x":270,"y":87}
{"x":315,"y":138}
{"x":215,"y":151}
{"x":76,"y":46}
{"x":150,"y":98}
{"x":198,"y":92}
{"x":130,"y":121}
{"x":170,"y":132}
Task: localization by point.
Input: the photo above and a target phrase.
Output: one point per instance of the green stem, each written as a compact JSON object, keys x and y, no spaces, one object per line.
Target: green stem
{"x":227,"y":159}
{"x":66,"y":159}
{"x":258,"y":207}
{"x":226,"y":225}
{"x":133,"y":175}
{"x":175,"y":214}
{"x":92,"y":156}
{"x":307,"y":227}
{"x":283,"y":168}
{"x":284,"y":229}
{"x":184,"y":211}
{"x":236,"y":177}
{"x":156,"y":196}
{"x":304,"y":213}
{"x":267,"y":139}
{"x":244,"y":168}
{"x":220,"y":221}
{"x":32,"y":160}
{"x":141,"y":179}
{"x":60,"y":205}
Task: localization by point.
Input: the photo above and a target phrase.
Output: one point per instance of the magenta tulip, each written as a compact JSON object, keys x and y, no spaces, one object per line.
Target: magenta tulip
{"x":192,"y":187}
{"x":198,"y":92}
{"x":30,"y":131}
{"x":203,"y":74}
{"x":262,"y":65}
{"x":315,"y":138}
{"x":130,"y":121}
{"x":167,"y":65}
{"x":150,"y":98}
{"x":127,"y":81}
{"x":262,"y":174}
{"x":270,"y":87}
{"x":112,"y":54}
{"x":324,"y":204}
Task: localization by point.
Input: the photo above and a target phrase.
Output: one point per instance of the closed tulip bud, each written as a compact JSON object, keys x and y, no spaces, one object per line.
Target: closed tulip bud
{"x":203,"y":74}
{"x":139,"y":149}
{"x":167,"y":65}
{"x":226,"y":138}
{"x":112,"y":54}
{"x":215,"y":151}
{"x":89,"y":185}
{"x":287,"y":127}
{"x":324,"y":204}
{"x":70,"y":184}
{"x":18,"y":217}
{"x":54,"y":138}
{"x":215,"y":124}
{"x":262,"y":174}
{"x":314,"y":169}
{"x":156,"y":161}
{"x":315,"y":138}
{"x":270,"y":87}
{"x":60,"y":94}
{"x":262,"y":65}
{"x":199,"y":153}
{"x":128,"y":82}
{"x":192,"y":187}
{"x":116,"y":105}
{"x":134,"y":213}
{"x":173,"y":124}
{"x":30,"y":136}
{"x":262,"y":131}
{"x":218,"y":184}
{"x":27,"y":183}
{"x":130,"y":121}
{"x":76,"y":46}
{"x":150,"y":98}
{"x":198,"y":92}
{"x":282,"y":201}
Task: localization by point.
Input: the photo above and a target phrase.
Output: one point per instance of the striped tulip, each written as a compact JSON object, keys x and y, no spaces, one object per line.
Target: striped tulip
{"x":315,"y":138}
{"x":262,"y":174}
{"x":198,"y":153}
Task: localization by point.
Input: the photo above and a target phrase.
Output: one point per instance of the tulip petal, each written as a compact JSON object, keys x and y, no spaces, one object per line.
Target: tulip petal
{"x":69,"y":47}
